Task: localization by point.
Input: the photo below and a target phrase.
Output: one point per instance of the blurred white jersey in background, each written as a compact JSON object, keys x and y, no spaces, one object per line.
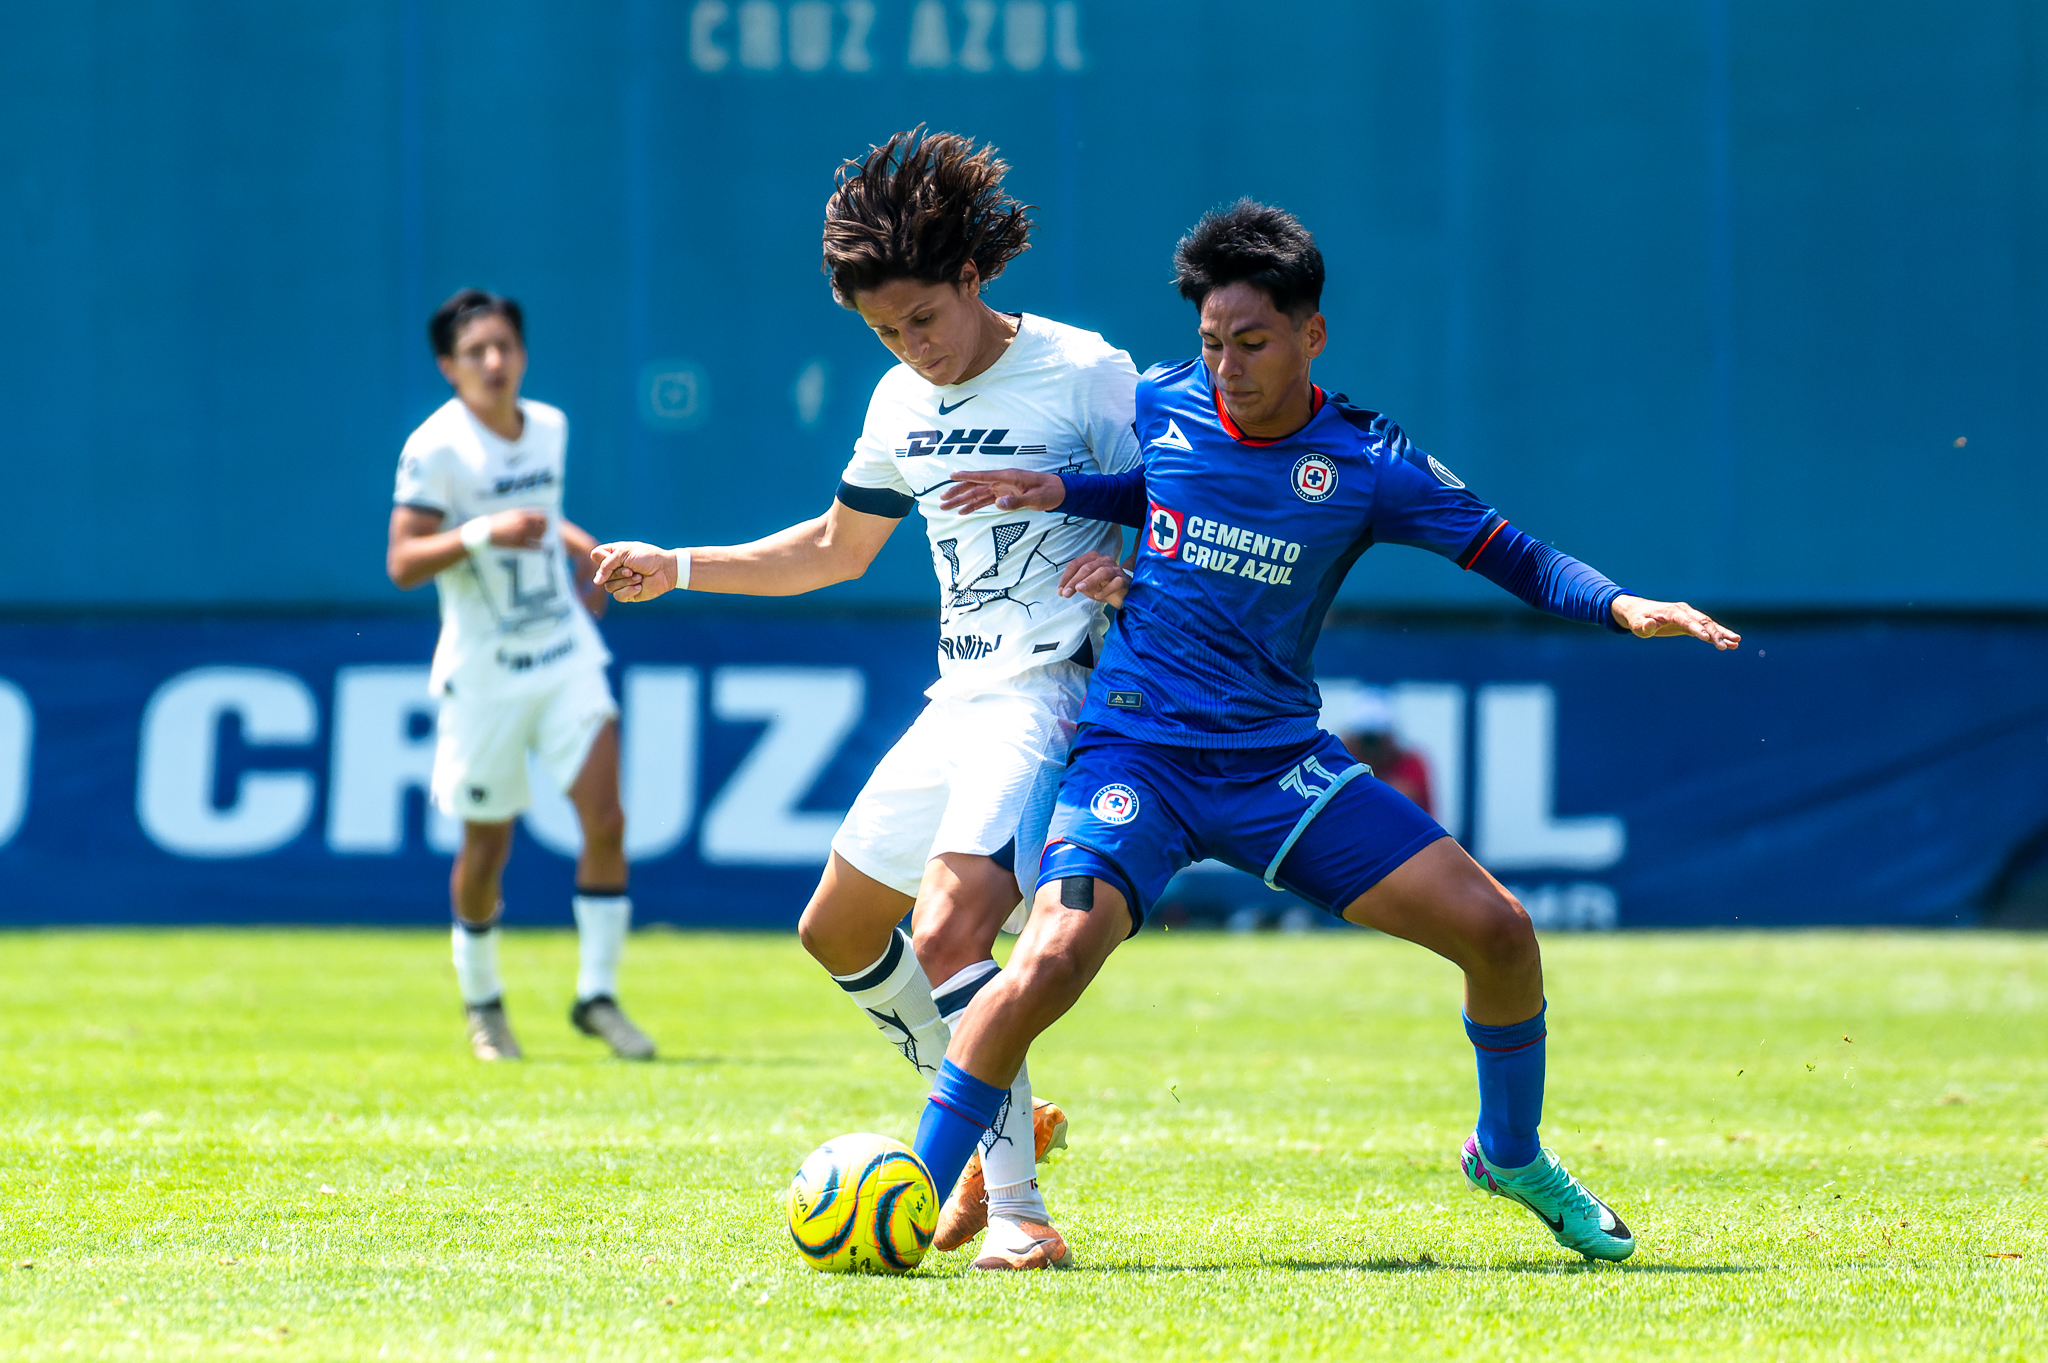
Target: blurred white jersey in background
{"x":510,"y":620}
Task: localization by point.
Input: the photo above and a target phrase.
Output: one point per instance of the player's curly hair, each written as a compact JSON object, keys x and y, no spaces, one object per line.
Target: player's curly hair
{"x":1252,"y":243}
{"x":920,"y":206}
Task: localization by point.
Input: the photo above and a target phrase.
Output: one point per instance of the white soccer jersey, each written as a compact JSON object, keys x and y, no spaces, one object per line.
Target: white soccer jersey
{"x":1060,"y":400}
{"x":510,"y":621}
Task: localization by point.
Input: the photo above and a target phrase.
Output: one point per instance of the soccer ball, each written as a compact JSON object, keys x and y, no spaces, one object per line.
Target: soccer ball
{"x":862,"y":1204}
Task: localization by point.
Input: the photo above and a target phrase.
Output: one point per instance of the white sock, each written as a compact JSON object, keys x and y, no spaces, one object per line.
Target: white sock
{"x":1018,"y":1202}
{"x":1009,"y":1152}
{"x":897,"y":998}
{"x":1009,"y":1158}
{"x":476,"y":963}
{"x":601,"y":923}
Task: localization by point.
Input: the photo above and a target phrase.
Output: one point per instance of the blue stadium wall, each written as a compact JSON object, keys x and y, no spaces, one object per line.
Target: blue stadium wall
{"x":1740,"y":301}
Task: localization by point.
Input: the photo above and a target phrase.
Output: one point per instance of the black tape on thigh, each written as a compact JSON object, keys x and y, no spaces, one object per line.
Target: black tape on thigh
{"x":1078,"y":892}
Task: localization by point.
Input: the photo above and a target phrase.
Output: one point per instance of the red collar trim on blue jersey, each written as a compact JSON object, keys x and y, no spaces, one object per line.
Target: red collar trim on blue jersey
{"x":1315,"y":404}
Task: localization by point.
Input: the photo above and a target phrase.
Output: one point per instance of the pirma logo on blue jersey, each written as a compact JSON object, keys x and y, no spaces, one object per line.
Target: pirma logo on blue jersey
{"x":1315,"y":477}
{"x":1163,"y":530}
{"x":1173,"y":439}
{"x":1114,"y":804}
{"x":1444,"y":475}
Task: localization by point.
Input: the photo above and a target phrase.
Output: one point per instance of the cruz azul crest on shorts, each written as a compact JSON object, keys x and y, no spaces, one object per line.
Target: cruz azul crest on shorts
{"x":1162,"y":530}
{"x":1114,"y":804}
{"x":1315,"y":477}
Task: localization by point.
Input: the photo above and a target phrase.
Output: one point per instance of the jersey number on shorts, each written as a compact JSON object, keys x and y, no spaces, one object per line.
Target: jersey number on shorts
{"x":1298,"y":779}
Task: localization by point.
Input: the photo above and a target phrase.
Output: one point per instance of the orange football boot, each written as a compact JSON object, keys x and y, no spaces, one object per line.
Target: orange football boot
{"x":1022,"y":1245}
{"x":965,"y":1214}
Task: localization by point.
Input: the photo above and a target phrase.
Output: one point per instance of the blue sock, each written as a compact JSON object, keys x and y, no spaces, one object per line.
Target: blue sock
{"x":1510,"y":1089}
{"x":956,"y":1116}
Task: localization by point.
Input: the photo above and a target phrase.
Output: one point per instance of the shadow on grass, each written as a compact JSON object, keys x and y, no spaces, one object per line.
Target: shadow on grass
{"x":564,"y":1060}
{"x":1386,"y":1264}
{"x":1392,"y":1264}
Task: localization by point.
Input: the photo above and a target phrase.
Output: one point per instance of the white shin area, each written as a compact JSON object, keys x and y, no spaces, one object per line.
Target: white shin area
{"x":602,"y":922}
{"x":1009,"y":1157}
{"x":476,"y":964}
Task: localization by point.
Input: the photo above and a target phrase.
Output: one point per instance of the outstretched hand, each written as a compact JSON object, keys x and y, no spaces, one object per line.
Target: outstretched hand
{"x":1004,"y":489}
{"x":633,"y":571}
{"x":1099,"y":577}
{"x":1662,"y":619}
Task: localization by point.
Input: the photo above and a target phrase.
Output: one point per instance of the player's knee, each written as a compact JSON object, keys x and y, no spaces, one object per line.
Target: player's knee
{"x":947,"y":939}
{"x":486,"y":846}
{"x":813,"y":932}
{"x":1502,"y":937}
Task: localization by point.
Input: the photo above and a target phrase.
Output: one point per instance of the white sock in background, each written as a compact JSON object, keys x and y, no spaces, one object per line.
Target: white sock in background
{"x":476,"y":961}
{"x":601,"y":923}
{"x":1009,"y":1154}
{"x":897,"y":998}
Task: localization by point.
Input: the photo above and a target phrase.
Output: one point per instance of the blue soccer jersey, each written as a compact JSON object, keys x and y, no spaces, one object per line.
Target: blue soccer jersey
{"x":1244,"y":546}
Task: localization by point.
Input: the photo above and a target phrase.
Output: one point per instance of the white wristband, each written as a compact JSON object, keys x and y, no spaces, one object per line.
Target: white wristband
{"x":682,"y":570}
{"x":476,"y":534}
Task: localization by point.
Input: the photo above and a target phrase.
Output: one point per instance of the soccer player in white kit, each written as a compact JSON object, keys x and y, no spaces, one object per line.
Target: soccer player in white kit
{"x":519,"y":668}
{"x":953,"y":819}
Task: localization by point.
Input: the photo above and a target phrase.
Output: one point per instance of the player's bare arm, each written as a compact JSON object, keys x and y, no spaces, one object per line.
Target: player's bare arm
{"x":835,"y":547}
{"x":419,"y":548}
{"x":1671,"y":619}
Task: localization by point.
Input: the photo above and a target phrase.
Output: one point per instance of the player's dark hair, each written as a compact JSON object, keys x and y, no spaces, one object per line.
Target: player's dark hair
{"x":465,"y":306}
{"x":920,"y":206}
{"x":1252,"y":243}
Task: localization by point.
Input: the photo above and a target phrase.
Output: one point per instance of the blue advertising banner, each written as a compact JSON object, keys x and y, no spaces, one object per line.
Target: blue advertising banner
{"x":272,"y":770}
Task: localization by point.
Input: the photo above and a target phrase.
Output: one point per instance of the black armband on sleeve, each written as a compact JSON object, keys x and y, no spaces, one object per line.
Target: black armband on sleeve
{"x":876,"y":501}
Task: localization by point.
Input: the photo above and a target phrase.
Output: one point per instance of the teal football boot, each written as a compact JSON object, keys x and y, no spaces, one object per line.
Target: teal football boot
{"x":1574,"y":1216}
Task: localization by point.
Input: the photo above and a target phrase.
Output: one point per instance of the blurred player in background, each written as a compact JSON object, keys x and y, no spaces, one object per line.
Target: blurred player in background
{"x":953,"y":819}
{"x":1257,"y":494}
{"x":1364,"y":724}
{"x":519,"y":668}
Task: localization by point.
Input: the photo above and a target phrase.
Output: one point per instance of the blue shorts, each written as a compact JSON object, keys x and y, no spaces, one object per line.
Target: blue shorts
{"x":1134,"y":813}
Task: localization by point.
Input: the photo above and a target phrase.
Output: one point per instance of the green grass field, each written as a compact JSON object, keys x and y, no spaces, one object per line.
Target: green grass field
{"x":217,"y":1143}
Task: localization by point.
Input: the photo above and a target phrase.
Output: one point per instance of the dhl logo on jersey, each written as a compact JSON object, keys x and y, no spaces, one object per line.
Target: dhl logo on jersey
{"x":1220,"y":546}
{"x":980,"y":442}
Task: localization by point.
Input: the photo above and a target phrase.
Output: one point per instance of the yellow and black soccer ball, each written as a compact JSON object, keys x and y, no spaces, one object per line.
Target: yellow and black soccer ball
{"x":862,"y":1204}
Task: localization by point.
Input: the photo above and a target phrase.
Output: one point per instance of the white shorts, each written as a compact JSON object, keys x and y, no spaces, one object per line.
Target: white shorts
{"x":480,"y":750}
{"x":975,"y":774}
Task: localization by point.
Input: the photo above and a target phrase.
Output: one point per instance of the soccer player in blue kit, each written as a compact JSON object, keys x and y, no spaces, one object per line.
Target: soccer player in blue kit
{"x":1199,"y":738}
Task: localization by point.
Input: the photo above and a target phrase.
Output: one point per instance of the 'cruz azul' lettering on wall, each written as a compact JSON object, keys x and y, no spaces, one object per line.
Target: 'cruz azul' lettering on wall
{"x":979,"y":37}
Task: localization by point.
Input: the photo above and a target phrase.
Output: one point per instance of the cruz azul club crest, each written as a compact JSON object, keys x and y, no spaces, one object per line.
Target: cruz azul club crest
{"x":1315,"y":477}
{"x":1114,"y":804}
{"x":1162,"y":530}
